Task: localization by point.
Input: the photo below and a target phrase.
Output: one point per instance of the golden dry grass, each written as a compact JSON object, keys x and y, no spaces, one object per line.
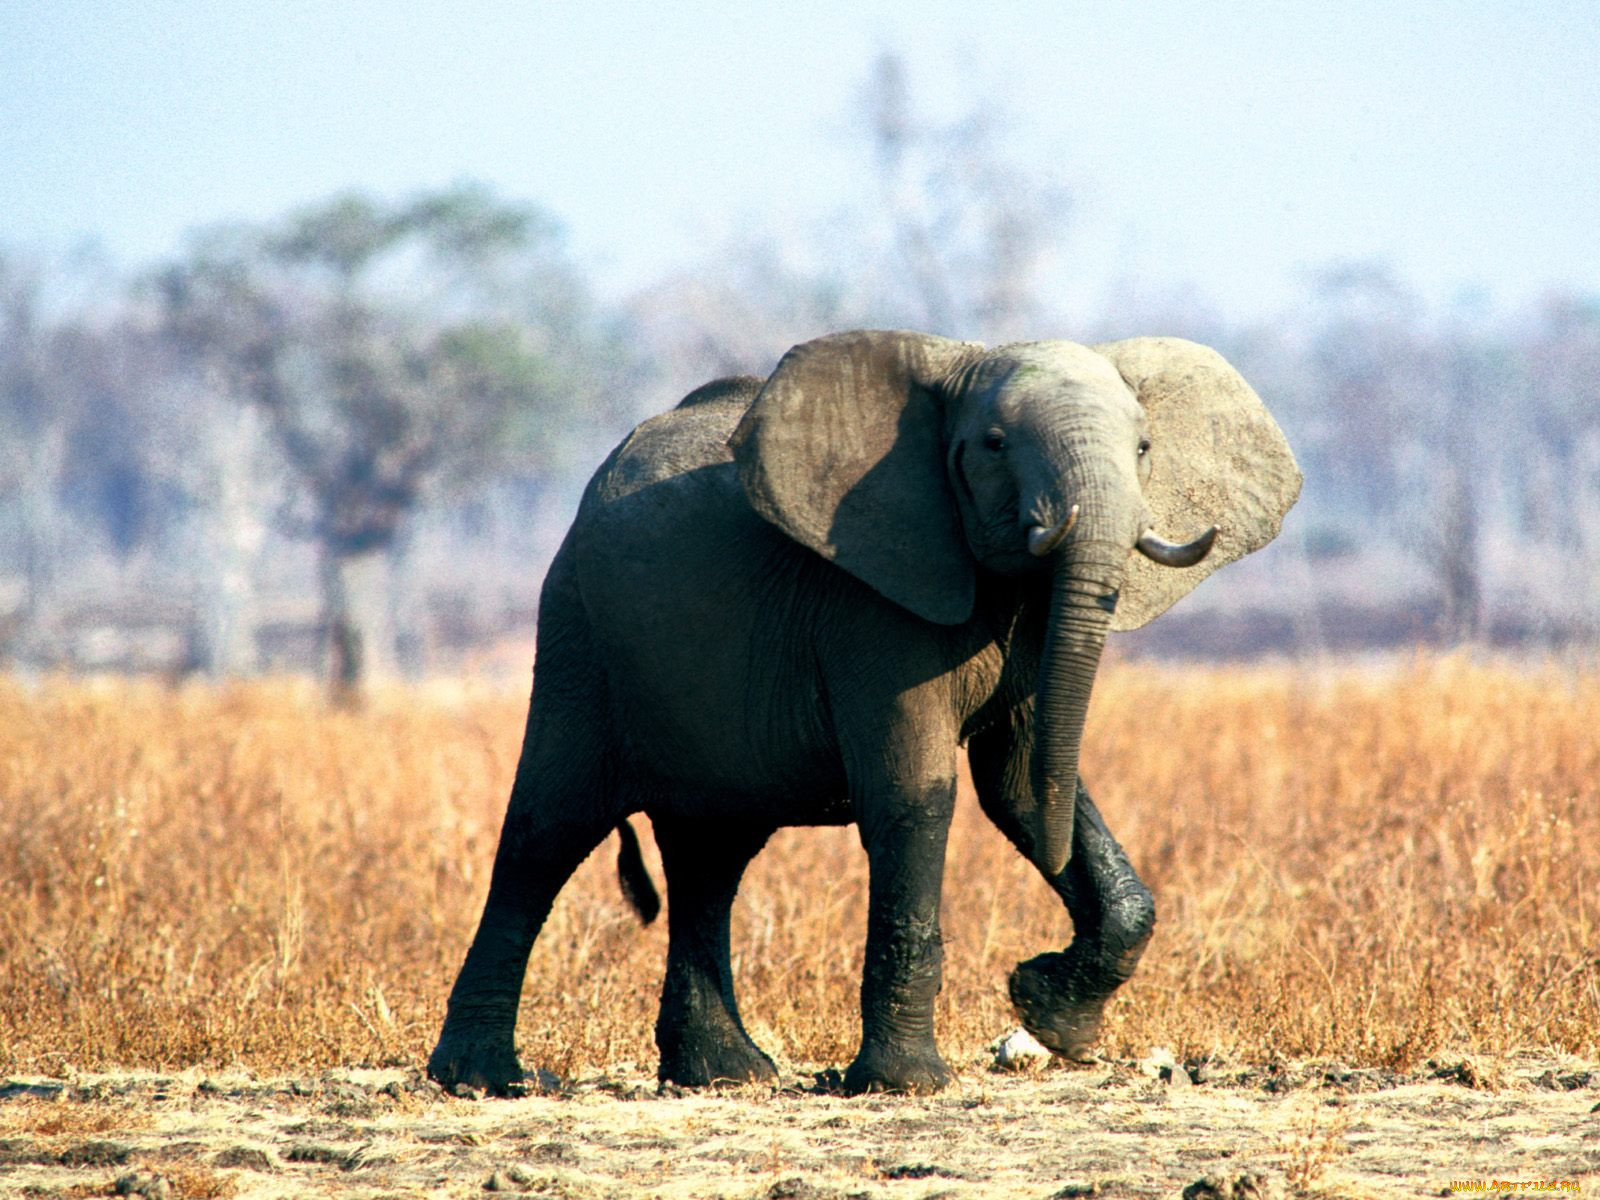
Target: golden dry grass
{"x":1371,"y":864}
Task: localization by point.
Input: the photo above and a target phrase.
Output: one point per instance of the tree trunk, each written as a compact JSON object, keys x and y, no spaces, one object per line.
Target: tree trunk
{"x":230,"y":613}
{"x":41,"y":542}
{"x":358,"y":632}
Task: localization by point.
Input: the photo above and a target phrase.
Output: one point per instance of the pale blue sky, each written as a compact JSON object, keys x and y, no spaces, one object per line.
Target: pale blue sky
{"x":1231,"y":147}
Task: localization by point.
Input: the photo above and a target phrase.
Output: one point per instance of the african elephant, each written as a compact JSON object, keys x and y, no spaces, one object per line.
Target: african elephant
{"x":790,"y":601}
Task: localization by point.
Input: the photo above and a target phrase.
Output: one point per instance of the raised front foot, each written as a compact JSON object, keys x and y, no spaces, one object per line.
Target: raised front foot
{"x":489,"y":1063}
{"x":701,"y":1059}
{"x":1057,"y":1005}
{"x":898,"y":1069}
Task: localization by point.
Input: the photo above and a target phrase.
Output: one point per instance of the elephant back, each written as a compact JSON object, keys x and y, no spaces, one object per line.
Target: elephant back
{"x":692,"y":436}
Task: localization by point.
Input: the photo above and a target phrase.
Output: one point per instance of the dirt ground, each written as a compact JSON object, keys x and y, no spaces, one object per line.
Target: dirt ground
{"x":1109,"y":1129}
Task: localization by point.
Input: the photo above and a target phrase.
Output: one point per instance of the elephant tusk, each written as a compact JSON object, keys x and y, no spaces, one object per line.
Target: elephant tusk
{"x":1042,"y":541}
{"x":1175,"y":554}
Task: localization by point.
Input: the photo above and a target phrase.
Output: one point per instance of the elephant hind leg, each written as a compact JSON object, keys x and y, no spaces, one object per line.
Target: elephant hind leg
{"x":566,"y":798}
{"x":699,"y":1033}
{"x":548,"y":831}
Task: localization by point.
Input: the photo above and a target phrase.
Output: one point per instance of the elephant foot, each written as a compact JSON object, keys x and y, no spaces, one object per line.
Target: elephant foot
{"x":897,"y":1069}
{"x":489,"y":1063}
{"x":702,"y":1060}
{"x":1050,"y":995}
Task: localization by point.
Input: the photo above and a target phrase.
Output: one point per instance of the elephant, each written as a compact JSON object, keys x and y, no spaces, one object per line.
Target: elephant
{"x":792,"y":600}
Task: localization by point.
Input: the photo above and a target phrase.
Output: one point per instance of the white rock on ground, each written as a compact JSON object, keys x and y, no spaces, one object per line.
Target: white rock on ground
{"x":1019,"y":1050}
{"x":1158,"y":1059}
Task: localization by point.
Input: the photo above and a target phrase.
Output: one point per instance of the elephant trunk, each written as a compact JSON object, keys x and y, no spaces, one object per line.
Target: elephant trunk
{"x":1082,"y":598}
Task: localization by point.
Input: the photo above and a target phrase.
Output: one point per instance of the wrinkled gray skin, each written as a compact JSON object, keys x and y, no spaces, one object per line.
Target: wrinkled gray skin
{"x":790,"y":602}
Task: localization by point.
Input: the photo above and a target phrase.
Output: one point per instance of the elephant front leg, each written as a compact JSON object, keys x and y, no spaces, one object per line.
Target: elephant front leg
{"x":1061,"y":996}
{"x":901,"y":977}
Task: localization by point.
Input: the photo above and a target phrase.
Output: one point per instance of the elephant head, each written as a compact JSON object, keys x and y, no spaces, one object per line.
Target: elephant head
{"x":915,"y":463}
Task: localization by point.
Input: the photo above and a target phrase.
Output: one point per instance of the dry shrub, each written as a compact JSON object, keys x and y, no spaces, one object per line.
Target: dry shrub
{"x":62,"y":1119}
{"x":1376,"y":865}
{"x":191,"y":1181}
{"x":1313,"y":1141}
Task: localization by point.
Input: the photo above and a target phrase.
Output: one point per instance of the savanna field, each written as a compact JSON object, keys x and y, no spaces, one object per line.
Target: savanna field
{"x":1385,"y":867}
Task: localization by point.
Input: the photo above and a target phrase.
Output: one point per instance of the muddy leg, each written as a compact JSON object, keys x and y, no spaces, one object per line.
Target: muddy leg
{"x":1061,"y":997}
{"x":904,"y":958}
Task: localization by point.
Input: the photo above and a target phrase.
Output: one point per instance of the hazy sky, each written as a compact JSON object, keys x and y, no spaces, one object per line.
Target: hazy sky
{"x":1229,"y":147}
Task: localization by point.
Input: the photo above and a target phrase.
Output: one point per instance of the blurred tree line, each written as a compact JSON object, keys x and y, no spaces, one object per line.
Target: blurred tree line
{"x":351,"y":438}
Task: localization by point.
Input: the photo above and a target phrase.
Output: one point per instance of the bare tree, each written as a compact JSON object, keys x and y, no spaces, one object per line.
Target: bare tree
{"x":388,"y":351}
{"x":79,"y":479}
{"x":34,"y":445}
{"x":1557,"y":493}
{"x":969,"y":226}
{"x":948,"y":232}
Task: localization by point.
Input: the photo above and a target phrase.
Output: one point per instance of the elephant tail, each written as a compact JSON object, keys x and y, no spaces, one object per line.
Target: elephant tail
{"x":635,"y":879}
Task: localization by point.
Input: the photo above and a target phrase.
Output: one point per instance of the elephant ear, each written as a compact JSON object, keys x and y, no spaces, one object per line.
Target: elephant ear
{"x":1216,"y":458}
{"x":844,"y":450}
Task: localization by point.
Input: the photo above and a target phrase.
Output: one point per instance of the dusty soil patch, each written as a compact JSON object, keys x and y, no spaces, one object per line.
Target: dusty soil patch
{"x":1112,"y":1129}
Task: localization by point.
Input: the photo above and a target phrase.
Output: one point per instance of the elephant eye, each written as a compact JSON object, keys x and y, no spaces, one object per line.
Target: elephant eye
{"x":1144,"y":447}
{"x":994,"y":440}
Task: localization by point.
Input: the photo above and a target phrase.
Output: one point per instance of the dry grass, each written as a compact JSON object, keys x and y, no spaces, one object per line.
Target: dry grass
{"x":1371,"y":865}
